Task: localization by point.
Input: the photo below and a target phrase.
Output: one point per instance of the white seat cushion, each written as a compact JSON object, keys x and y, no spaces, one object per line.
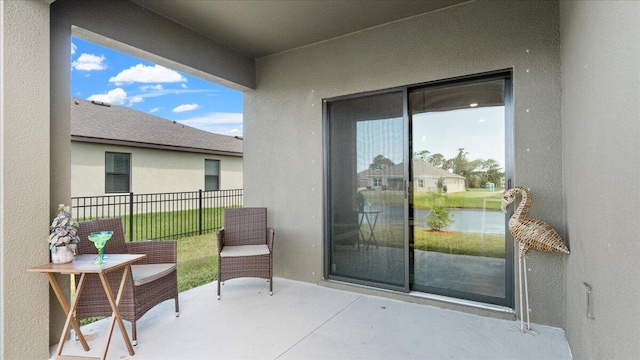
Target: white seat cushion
{"x":144,"y":274}
{"x":244,"y":250}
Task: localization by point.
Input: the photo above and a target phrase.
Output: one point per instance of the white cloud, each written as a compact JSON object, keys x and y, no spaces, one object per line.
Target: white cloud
{"x":116,"y":96}
{"x":184,"y":86}
{"x":219,"y":123}
{"x":74,"y":47}
{"x":218,"y":118}
{"x":233,"y":132}
{"x":135,"y":99}
{"x":154,"y":110}
{"x":147,"y":74}
{"x":89,"y":62}
{"x":185,"y":107}
{"x":151,"y":87}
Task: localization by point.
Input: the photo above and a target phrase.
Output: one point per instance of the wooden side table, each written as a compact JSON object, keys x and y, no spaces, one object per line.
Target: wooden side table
{"x":83,"y":264}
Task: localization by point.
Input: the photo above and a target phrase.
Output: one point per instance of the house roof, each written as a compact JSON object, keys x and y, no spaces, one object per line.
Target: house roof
{"x":101,"y":123}
{"x":420,"y":169}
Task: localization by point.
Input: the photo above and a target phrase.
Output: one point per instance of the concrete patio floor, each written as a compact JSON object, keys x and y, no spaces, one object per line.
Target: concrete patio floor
{"x":306,"y":321}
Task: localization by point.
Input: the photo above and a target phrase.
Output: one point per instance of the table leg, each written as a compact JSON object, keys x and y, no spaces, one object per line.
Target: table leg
{"x":69,"y":312}
{"x":115,"y":316}
{"x":360,"y":233}
{"x":372,"y":228}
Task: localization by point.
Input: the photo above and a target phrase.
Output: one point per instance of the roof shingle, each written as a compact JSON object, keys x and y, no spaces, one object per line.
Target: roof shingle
{"x":96,"y":122}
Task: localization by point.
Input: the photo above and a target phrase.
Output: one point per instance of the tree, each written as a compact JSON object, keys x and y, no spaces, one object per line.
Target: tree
{"x":436,"y":160}
{"x":460,"y":164}
{"x":422,"y":155}
{"x":440,"y":184}
{"x":380,"y":162}
{"x":439,"y":217}
{"x":493,"y":171}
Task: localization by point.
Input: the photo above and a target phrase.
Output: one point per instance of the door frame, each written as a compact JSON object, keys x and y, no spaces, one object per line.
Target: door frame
{"x":502,"y":74}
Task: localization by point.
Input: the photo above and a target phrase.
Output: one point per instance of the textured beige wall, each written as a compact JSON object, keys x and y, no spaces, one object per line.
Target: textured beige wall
{"x":153,"y":171}
{"x":283,"y":118}
{"x":601,"y":132}
{"x":24,"y":178}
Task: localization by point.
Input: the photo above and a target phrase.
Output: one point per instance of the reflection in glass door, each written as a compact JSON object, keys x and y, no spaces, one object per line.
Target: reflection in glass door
{"x":413,"y":186}
{"x":366,"y":190}
{"x":458,"y":174}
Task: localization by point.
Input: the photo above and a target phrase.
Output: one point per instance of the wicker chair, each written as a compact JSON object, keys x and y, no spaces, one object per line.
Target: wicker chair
{"x":151,"y":281}
{"x":245,"y":246}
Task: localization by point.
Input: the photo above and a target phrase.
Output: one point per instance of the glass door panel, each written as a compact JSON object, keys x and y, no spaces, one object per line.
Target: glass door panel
{"x":366,"y":197}
{"x":457,"y":174}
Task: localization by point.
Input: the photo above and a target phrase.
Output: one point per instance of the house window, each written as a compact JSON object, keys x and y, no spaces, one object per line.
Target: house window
{"x":117,"y":172}
{"x":421,"y":183}
{"x":377,"y":182}
{"x":212,"y":175}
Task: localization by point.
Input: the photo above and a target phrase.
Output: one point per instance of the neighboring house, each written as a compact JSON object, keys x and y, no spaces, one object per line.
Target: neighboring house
{"x":117,"y":150}
{"x":425,"y":178}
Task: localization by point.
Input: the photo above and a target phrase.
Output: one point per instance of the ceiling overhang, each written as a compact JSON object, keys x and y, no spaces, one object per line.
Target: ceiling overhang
{"x":262,"y":28}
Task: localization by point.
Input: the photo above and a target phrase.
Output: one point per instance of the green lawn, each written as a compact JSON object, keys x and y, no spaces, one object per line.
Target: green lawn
{"x":470,"y":199}
{"x":451,"y":242}
{"x":165,"y":224}
{"x":197,"y":261}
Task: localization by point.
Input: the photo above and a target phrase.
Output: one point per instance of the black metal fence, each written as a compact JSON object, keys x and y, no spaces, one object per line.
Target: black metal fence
{"x":163,"y":215}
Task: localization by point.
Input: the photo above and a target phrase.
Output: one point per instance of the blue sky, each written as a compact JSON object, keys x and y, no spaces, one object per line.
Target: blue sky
{"x":103,"y":74}
{"x":480,"y":131}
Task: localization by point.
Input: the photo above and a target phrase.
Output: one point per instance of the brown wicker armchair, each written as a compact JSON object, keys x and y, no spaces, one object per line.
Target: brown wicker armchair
{"x":151,"y":281}
{"x":245,"y":246}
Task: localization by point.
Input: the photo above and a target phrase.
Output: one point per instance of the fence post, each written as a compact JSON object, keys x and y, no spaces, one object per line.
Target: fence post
{"x":199,"y":211}
{"x":130,"y":216}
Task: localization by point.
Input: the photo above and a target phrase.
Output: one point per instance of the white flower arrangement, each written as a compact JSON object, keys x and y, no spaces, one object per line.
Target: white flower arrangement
{"x":64,"y":230}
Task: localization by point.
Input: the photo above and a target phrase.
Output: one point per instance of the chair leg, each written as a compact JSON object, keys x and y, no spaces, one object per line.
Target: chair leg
{"x":270,"y":286}
{"x":177,"y":307}
{"x":218,"y":289}
{"x":134,"y":334}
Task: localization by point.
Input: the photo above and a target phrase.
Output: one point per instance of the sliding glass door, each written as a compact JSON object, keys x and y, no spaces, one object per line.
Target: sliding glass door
{"x":413,"y":189}
{"x":458,"y":175}
{"x":366,"y":195}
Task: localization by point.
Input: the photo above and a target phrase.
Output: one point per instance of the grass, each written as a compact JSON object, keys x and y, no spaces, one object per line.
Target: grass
{"x":165,"y":225}
{"x":197,"y":261}
{"x":450,"y":242}
{"x":171,"y":224}
{"x":470,"y":199}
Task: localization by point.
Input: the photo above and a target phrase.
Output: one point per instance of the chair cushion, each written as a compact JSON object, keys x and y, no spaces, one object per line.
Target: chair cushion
{"x":144,"y":274}
{"x":244,"y":250}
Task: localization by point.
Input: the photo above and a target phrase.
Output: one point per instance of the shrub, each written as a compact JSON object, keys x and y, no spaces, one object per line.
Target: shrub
{"x":439,"y":218}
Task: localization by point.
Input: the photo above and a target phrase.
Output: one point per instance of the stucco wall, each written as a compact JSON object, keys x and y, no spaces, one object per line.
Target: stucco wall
{"x":152,"y":171}
{"x":601,"y":132}
{"x":24,"y":178}
{"x":283,"y":118}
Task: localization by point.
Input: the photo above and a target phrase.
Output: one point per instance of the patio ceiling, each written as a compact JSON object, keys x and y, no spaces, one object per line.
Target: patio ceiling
{"x":260,"y":28}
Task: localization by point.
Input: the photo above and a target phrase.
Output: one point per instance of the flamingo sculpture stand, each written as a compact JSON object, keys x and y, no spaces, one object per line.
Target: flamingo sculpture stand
{"x":531,"y":234}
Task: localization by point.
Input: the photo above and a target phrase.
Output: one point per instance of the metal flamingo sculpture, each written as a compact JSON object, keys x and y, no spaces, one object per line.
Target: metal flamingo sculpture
{"x":531,"y":234}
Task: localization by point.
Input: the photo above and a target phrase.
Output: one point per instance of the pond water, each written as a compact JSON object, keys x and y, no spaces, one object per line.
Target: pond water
{"x":465,"y":220}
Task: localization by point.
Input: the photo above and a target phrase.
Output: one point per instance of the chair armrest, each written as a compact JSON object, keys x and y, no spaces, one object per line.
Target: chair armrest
{"x":270,"y":237}
{"x":220,"y":237}
{"x":158,"y":252}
